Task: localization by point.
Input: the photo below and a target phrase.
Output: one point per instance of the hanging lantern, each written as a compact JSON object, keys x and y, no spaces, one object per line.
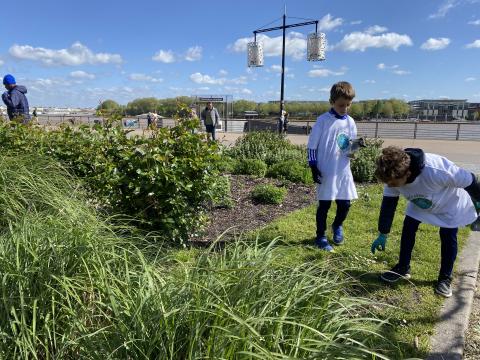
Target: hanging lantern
{"x":316,"y":45}
{"x":255,"y":54}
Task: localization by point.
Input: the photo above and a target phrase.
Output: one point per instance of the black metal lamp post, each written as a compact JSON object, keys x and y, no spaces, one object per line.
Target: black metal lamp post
{"x":316,"y":44}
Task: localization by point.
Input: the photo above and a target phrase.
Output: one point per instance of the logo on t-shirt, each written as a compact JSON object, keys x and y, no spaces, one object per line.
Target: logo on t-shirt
{"x":343,"y":141}
{"x":422,"y":203}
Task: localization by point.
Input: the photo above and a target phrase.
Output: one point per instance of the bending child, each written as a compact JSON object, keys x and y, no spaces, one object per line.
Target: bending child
{"x":438,"y":193}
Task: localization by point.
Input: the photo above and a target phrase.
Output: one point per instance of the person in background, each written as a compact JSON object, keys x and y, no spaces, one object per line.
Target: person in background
{"x":15,"y":100}
{"x":439,"y":193}
{"x":210,"y":118}
{"x":329,"y":151}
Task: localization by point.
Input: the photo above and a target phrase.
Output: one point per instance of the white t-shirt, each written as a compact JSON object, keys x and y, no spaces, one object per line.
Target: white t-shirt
{"x":437,"y":196}
{"x":330,"y":139}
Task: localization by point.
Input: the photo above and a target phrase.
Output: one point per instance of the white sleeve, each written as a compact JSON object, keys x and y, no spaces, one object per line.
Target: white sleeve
{"x":314,"y":138}
{"x":390,"y":191}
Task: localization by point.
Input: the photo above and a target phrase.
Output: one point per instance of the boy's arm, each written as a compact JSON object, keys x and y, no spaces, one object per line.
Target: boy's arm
{"x":474,"y":191}
{"x":8,"y":99}
{"x":385,"y":219}
{"x":387,"y":213}
{"x":312,"y":146}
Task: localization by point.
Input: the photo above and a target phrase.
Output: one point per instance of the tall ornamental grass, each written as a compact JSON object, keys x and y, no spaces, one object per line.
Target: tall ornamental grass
{"x":73,"y":287}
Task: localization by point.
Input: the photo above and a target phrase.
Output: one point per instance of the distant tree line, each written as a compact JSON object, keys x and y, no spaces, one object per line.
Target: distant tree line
{"x":368,"y":109}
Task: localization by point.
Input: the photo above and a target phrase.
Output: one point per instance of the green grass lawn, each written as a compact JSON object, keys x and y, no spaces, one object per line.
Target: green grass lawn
{"x":414,"y":309}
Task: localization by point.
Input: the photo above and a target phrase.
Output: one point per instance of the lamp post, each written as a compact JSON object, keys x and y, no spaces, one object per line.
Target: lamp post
{"x":316,"y":43}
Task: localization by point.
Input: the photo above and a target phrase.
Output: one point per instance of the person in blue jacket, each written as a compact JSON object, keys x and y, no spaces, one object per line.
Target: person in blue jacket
{"x":15,"y":100}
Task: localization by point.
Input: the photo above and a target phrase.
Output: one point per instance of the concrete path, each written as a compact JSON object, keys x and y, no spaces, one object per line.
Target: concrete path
{"x":464,"y":153}
{"x":448,"y":342}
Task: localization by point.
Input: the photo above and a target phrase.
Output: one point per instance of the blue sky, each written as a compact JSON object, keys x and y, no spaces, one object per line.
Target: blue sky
{"x":77,"y":53}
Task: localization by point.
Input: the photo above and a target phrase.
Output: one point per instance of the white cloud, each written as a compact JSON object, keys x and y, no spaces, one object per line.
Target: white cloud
{"x":291,"y":76}
{"x":206,"y":79}
{"x":235,"y":90}
{"x":77,"y":54}
{"x":194,"y":53}
{"x":401,"y":72}
{"x":165,"y":56}
{"x":435,"y":44}
{"x":1,"y":62}
{"x":295,"y":45}
{"x":444,"y":9}
{"x":474,"y":22}
{"x":394,"y":69}
{"x":370,"y":82}
{"x":360,"y":41}
{"x":356,"y":22}
{"x":200,"y":78}
{"x":325,"y":73}
{"x":143,"y":77}
{"x":277,"y":69}
{"x":223,"y":72}
{"x":203,"y":88}
{"x":82,"y":75}
{"x":238,"y":80}
{"x":474,"y":45}
{"x":328,"y":23}
{"x":376,"y":29}
{"x":468,"y":79}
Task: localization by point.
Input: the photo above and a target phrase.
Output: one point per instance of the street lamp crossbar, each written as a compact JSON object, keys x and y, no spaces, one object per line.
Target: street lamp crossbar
{"x":286,"y":26}
{"x":255,"y":50}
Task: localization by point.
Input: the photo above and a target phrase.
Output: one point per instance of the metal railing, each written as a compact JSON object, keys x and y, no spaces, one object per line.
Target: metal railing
{"x":373,"y":129}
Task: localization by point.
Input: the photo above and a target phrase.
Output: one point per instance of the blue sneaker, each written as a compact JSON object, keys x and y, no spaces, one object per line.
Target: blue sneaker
{"x":323,"y":244}
{"x":337,"y":235}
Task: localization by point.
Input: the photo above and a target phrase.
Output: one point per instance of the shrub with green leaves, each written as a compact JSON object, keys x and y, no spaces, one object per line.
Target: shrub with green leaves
{"x":269,"y":194}
{"x":291,"y":170}
{"x":253,"y":167}
{"x":222,"y":196}
{"x":226,"y":165}
{"x":363,"y":165}
{"x":75,"y":287}
{"x":162,"y":181}
{"x":267,"y":146}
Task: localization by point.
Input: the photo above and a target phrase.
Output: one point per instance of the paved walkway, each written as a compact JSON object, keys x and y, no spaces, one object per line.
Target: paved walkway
{"x":463,"y":153}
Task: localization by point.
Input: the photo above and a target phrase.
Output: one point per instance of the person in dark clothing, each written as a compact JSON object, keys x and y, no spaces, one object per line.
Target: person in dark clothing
{"x":210,"y":118}
{"x":15,"y":100}
{"x":438,"y":192}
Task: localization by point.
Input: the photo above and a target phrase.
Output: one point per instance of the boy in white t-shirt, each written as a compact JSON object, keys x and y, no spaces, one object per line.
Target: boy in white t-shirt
{"x":329,"y":150}
{"x":438,"y":193}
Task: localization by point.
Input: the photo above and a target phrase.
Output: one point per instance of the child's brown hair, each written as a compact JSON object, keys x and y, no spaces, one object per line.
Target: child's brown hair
{"x":342,"y":89}
{"x":392,"y":164}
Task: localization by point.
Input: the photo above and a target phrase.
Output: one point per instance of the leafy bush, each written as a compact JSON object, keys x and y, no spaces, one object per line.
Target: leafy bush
{"x":226,"y":165}
{"x":221,"y":190}
{"x":291,"y":170}
{"x":254,"y":167}
{"x":162,"y":181}
{"x":363,"y":166}
{"x":267,"y":146}
{"x":269,"y":194}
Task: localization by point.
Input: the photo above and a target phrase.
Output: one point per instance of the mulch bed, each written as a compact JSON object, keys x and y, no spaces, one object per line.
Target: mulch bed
{"x":247,"y":215}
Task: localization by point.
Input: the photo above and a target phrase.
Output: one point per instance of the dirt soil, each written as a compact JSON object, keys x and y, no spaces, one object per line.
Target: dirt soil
{"x":247,"y":215}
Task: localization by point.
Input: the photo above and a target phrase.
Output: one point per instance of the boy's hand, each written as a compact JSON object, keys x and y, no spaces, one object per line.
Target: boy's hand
{"x":379,"y":243}
{"x":316,"y":174}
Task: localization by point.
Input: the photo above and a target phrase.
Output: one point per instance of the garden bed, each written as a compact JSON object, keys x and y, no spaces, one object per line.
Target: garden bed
{"x":246,"y":214}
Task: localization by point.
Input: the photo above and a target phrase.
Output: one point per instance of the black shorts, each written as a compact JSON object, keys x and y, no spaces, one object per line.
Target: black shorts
{"x":210,"y":128}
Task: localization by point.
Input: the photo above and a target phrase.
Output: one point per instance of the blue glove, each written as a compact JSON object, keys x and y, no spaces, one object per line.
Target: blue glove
{"x":316,"y":174}
{"x":379,"y":243}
